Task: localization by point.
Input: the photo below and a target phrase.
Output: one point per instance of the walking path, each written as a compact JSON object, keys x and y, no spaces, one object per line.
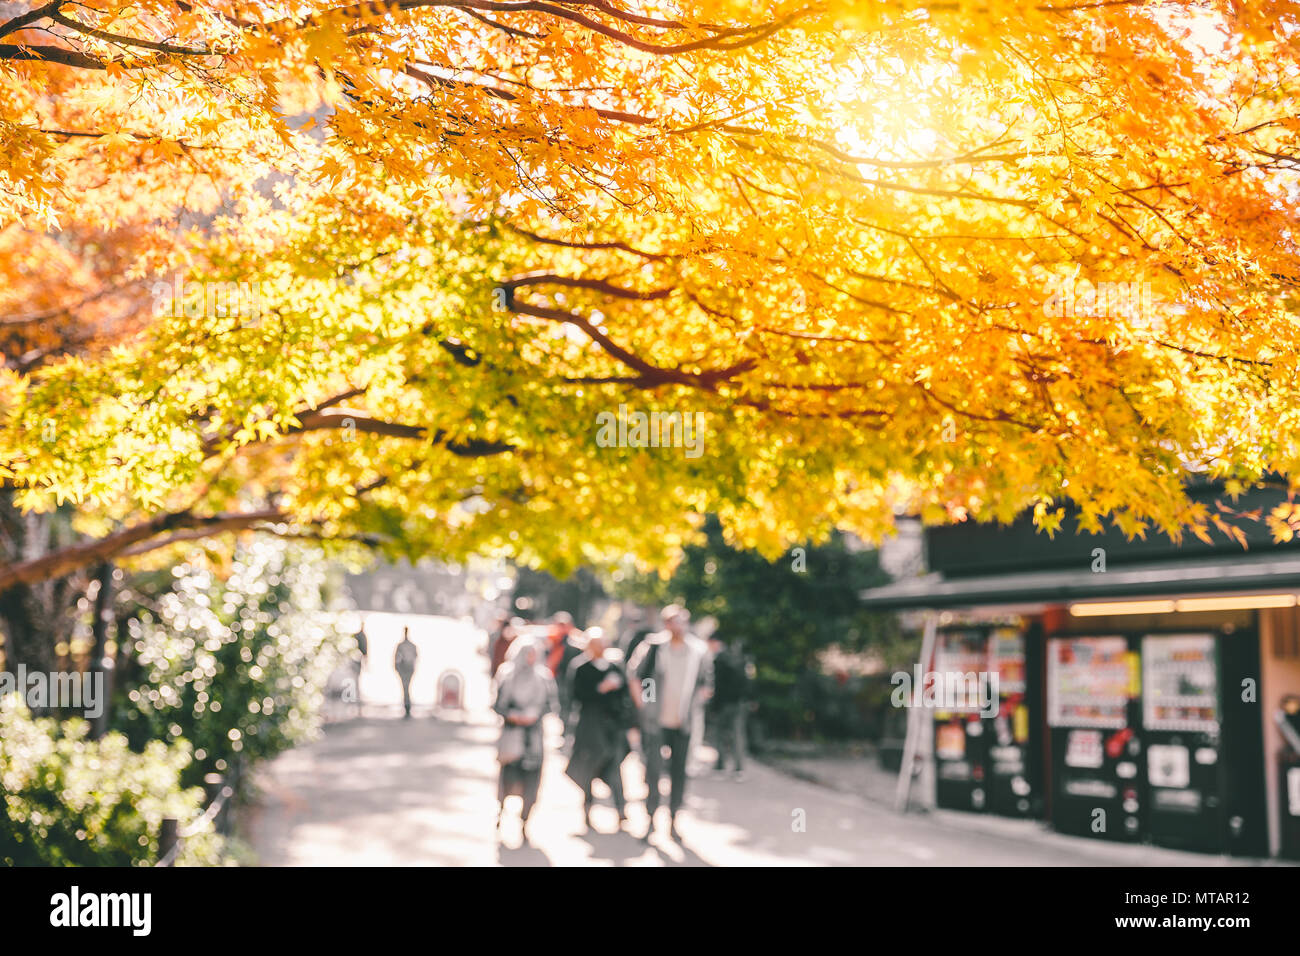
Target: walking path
{"x":379,"y":790}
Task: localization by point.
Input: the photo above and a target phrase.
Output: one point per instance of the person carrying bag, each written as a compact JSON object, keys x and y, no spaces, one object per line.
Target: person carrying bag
{"x":525,"y":694}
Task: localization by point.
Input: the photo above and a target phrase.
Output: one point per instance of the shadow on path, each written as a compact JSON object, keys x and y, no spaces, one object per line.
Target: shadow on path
{"x":375,"y":791}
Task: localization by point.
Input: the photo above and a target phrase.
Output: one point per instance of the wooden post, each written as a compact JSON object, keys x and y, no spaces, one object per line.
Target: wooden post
{"x":234,"y":780}
{"x":168,"y":837}
{"x":101,"y":665}
{"x":916,"y":722}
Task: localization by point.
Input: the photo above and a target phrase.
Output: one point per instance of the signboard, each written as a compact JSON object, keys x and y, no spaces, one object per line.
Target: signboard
{"x":1007,"y":659}
{"x":1088,"y":681}
{"x":1180,"y":683}
{"x":960,"y":652}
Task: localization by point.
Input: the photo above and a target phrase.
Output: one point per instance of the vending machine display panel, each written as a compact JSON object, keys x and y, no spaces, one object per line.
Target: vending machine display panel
{"x":1012,"y":782}
{"x":960,"y":745}
{"x":1181,"y":725}
{"x":1096,"y":755}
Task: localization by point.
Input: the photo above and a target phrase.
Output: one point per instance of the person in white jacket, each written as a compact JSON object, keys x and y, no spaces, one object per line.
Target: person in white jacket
{"x":525,"y":693}
{"x":673,"y":671}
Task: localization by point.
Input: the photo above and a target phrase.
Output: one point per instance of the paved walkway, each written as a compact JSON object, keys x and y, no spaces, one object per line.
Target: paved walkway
{"x":380,"y":790}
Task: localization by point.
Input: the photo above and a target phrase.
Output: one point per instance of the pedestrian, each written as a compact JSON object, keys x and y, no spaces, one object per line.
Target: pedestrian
{"x":728,"y":705}
{"x":509,"y":631}
{"x":556,"y":634}
{"x":525,"y":693}
{"x":404,"y":659}
{"x":640,"y":626}
{"x":358,"y":665}
{"x":494,"y":633}
{"x":563,"y":651}
{"x":604,"y":716}
{"x":363,"y":645}
{"x":673,"y":671}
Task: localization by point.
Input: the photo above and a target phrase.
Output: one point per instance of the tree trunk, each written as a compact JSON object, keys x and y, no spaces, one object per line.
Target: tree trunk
{"x":35,"y":618}
{"x":101,"y":665}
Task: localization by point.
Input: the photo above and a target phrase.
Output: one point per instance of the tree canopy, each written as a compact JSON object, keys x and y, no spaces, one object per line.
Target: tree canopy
{"x":372,"y":271}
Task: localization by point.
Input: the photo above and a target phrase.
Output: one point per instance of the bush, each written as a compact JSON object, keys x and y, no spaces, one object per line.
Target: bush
{"x":71,"y":801}
{"x":237,"y":665}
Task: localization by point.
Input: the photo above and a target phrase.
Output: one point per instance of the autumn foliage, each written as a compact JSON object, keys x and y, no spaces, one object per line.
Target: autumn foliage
{"x":956,"y":258}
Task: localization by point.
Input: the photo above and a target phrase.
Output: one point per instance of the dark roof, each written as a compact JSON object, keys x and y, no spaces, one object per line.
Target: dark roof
{"x":975,"y":548}
{"x":1275,"y":571}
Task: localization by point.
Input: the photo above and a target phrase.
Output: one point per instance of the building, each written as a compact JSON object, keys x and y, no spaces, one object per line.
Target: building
{"x":1143,"y":690}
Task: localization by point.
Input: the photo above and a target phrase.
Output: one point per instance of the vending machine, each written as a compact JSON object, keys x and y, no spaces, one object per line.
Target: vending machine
{"x":1287,"y":719}
{"x":1012,"y":778}
{"x":1201,"y":746}
{"x":959,"y":739}
{"x":1096,"y":753}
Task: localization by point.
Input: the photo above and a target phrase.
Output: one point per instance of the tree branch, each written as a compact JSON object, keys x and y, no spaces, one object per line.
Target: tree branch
{"x":51,"y":54}
{"x":650,"y":375}
{"x":154,"y":45}
{"x":31,"y":16}
{"x":60,"y":563}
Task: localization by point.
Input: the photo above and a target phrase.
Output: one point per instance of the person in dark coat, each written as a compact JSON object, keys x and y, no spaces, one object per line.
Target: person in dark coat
{"x":604,"y":716}
{"x":728,"y":705}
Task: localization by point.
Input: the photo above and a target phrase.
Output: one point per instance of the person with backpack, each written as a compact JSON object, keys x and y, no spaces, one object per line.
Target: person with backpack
{"x":640,"y":626}
{"x":673,"y":672}
{"x":404,"y":659}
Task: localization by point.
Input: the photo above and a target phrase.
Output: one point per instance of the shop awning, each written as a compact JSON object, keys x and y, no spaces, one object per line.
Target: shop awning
{"x":1220,"y":575}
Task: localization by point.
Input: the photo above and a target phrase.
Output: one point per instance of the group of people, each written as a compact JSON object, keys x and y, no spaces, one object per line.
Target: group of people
{"x":611,"y":703}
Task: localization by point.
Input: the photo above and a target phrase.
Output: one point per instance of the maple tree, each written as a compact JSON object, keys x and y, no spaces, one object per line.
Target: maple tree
{"x":955,"y":258}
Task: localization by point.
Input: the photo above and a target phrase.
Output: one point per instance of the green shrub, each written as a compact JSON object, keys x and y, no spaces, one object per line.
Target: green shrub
{"x":237,"y":664}
{"x":71,"y":801}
